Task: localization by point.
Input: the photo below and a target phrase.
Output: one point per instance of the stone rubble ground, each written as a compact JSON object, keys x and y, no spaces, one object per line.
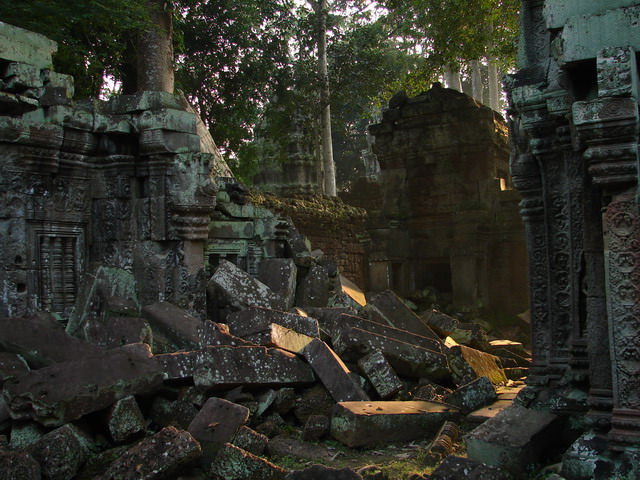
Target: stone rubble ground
{"x":158,"y":393}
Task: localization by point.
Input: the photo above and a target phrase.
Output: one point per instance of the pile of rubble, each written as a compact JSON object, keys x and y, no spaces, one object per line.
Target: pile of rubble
{"x":146,"y":393}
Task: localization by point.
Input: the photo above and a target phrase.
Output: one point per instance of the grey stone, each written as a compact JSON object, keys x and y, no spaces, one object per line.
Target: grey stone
{"x":25,"y":433}
{"x":216,"y":423}
{"x":118,"y":331}
{"x":159,"y":456}
{"x":316,"y":427}
{"x":313,"y":287}
{"x":358,"y":424}
{"x":18,"y":465}
{"x":580,"y":461}
{"x":250,"y":440}
{"x":467,"y":364}
{"x":475,"y":394}
{"x":441,"y":323}
{"x":125,"y":420}
{"x":60,"y":452}
{"x":233,"y":462}
{"x":281,"y":337}
{"x":332,"y":372}
{"x":255,"y":319}
{"x":280,"y":275}
{"x":182,"y":330}
{"x":11,"y":364}
{"x":514,"y":439}
{"x":381,"y":375}
{"x":179,"y":412}
{"x":315,"y":400}
{"x":455,"y":468}
{"x":386,"y":307}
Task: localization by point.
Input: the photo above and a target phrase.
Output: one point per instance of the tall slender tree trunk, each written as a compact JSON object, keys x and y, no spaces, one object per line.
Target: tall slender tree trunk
{"x":493,"y":81}
{"x":154,"y":55}
{"x":476,"y":80}
{"x":325,"y":102}
{"x":452,"y":78}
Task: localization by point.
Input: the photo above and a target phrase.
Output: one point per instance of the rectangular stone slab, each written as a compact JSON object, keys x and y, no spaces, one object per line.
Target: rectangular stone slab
{"x":381,"y":375}
{"x":256,"y":319}
{"x":358,"y":424}
{"x":467,"y":364}
{"x":387,"y":307}
{"x":217,"y":422}
{"x":281,"y":337}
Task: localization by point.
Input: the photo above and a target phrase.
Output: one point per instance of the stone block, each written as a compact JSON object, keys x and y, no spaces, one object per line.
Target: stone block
{"x":125,"y":420}
{"x":66,"y":391}
{"x":280,"y":275}
{"x":233,"y":462}
{"x":281,"y":337}
{"x":514,"y":439}
{"x":18,"y":44}
{"x":177,"y":120}
{"x":232,"y":287}
{"x":11,"y":364}
{"x":456,"y":468}
{"x":216,"y":424}
{"x":223,"y":367}
{"x":182,"y":329}
{"x":322,"y":472}
{"x":313,"y":288}
{"x":441,"y":323}
{"x":25,"y":433}
{"x":355,"y":295}
{"x":118,"y":331}
{"x":335,"y":324}
{"x":315,"y":428}
{"x":386,"y":307}
{"x":315,"y":400}
{"x":40,"y":344}
{"x":475,"y":394}
{"x":20,"y":76}
{"x":333,"y":373}
{"x":467,"y":364}
{"x":406,"y":359}
{"x":250,"y":440}
{"x":471,"y":334}
{"x":159,"y":456}
{"x":255,"y":319}
{"x":358,"y":424}
{"x":212,"y":334}
{"x":61,"y":452}
{"x":379,"y":372}
{"x":18,"y":466}
{"x":580,"y":461}
{"x":179,"y":413}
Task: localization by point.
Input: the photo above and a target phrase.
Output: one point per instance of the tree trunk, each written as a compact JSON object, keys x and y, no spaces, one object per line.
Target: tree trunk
{"x":452,"y":78}
{"x":154,"y":56}
{"x":494,"y":85}
{"x":327,"y":147}
{"x":476,"y":80}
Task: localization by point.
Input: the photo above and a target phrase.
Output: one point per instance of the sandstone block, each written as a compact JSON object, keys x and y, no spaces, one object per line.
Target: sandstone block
{"x":60,"y":452}
{"x":332,"y":372}
{"x":25,"y":433}
{"x":233,"y":462}
{"x":467,"y":364}
{"x":118,"y":331}
{"x":381,"y":375}
{"x":179,"y":413}
{"x":455,"y":468}
{"x":316,"y":427}
{"x":11,"y":364}
{"x":281,"y":337}
{"x":313,"y":288}
{"x":386,"y":307}
{"x":514,"y":439}
{"x":216,"y":423}
{"x":177,"y":325}
{"x":357,"y":424}
{"x":159,"y":456}
{"x":18,"y":465}
{"x":280,"y":275}
{"x":250,"y":440}
{"x":475,"y":394}
{"x":441,"y":323}
{"x":125,"y":420}
{"x":254,"y":320}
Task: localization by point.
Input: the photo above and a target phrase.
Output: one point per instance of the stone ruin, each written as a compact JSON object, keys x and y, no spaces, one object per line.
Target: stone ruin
{"x":156,"y":325}
{"x":574,"y":122}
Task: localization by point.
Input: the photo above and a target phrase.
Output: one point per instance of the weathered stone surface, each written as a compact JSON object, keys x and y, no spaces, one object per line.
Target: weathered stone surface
{"x":18,"y":465}
{"x":25,"y":433}
{"x":250,"y":440}
{"x":321,"y":472}
{"x":25,"y":46}
{"x":313,"y":287}
{"x":212,"y":334}
{"x":332,"y":372}
{"x":316,"y":427}
{"x":160,"y":456}
{"x":386,"y":307}
{"x":580,"y":461}
{"x":441,"y":323}
{"x":281,"y":337}
{"x":280,"y":275}
{"x":11,"y":364}
{"x":315,"y":400}
{"x":125,"y":420}
{"x":467,"y":364}
{"x":224,"y":367}
{"x":455,"y":468}
{"x":118,"y":331}
{"x":216,"y":423}
{"x":233,"y":462}
{"x":255,"y":320}
{"x":182,"y":329}
{"x":514,"y":439}
{"x":358,"y":424}
{"x":60,"y":452}
{"x":408,"y":360}
{"x":234,"y":288}
{"x":66,"y":391}
{"x":444,"y":443}
{"x":381,"y":375}
{"x":475,"y":394}
{"x":40,"y":344}
{"x":179,"y":413}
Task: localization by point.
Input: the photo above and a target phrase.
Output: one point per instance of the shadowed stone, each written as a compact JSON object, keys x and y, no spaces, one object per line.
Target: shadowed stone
{"x":125,"y":420}
{"x":66,"y":391}
{"x":255,"y":319}
{"x":118,"y":331}
{"x":357,"y":424}
{"x":180,"y":328}
{"x":514,"y":439}
{"x":467,"y":364}
{"x":321,"y":472}
{"x":250,"y":440}
{"x":456,"y":468}
{"x":61,"y":452}
{"x":333,"y":373}
{"x":25,"y":433}
{"x":18,"y":466}
{"x":225,"y":367}
{"x":159,"y":456}
{"x":233,"y":462}
{"x":316,"y":428}
{"x":387,"y":307}
{"x":381,"y":375}
{"x":408,"y":360}
{"x":441,"y":323}
{"x":313,"y":288}
{"x":580,"y":461}
{"x":11,"y":364}
{"x":179,"y":413}
{"x":216,"y":423}
{"x":280,"y":275}
{"x":281,"y":337}
{"x":473,"y":395}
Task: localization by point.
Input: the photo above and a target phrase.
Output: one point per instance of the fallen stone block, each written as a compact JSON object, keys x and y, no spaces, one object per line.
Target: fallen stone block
{"x":406,"y":359}
{"x":250,"y":440}
{"x":475,"y":394}
{"x":212,"y":334}
{"x":280,"y":275}
{"x":339,"y":323}
{"x":233,"y":462}
{"x":285,"y":400}
{"x":313,"y":287}
{"x":281,"y":337}
{"x":467,"y":364}
{"x":316,"y":428}
{"x":357,"y":424}
{"x":66,"y":391}
{"x":174,"y":323}
{"x":25,"y":433}
{"x":61,"y":452}
{"x":580,"y":461}
{"x":115,"y":332}
{"x":322,"y":472}
{"x":472,"y":335}
{"x":40,"y":344}
{"x":384,"y":379}
{"x":315,"y":400}
{"x":125,"y":421}
{"x":499,"y":347}
{"x":179,"y":413}
{"x":514,"y":439}
{"x":156,"y":457}
{"x":431,"y":392}
{"x":255,"y":320}
{"x":11,"y":364}
{"x":456,"y":468}
{"x":516,"y":373}
{"x":232,"y":287}
{"x":18,"y":466}
{"x":348,"y":295}
{"x":386,"y":307}
{"x":216,"y":423}
{"x":332,"y":372}
{"x":483,"y":414}
{"x":224,"y":367}
{"x":439,"y":322}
